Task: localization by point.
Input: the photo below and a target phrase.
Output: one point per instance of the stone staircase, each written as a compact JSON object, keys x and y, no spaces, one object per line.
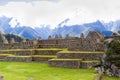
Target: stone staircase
{"x":76,"y":59}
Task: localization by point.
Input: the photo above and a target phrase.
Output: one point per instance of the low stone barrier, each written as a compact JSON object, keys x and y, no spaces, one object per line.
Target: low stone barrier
{"x":69,"y":63}
{"x":80,"y":55}
{"x":41,"y":59}
{"x":23,"y":52}
{"x":2,"y":57}
{"x":46,"y":52}
{"x":4,"y":52}
{"x":88,"y":64}
{"x":18,"y":58}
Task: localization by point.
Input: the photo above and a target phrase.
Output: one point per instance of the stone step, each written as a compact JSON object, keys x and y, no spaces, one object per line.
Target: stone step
{"x":2,"y":59}
{"x":51,"y":46}
{"x":46,"y":52}
{"x":4,"y":52}
{"x":42,"y":58}
{"x":84,"y":55}
{"x":73,"y":63}
{"x":3,"y":56}
{"x":23,"y":52}
{"x":19,"y":58}
{"x":89,"y":63}
{"x":31,"y":52}
{"x":69,"y":63}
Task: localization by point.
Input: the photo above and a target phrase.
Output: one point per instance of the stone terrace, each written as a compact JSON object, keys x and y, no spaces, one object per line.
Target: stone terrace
{"x":76,"y":59}
{"x":84,"y":52}
{"x":34,"y":55}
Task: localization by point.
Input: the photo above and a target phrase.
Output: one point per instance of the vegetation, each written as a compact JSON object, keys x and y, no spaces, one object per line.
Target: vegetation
{"x":96,"y":52}
{"x":105,"y":77}
{"x":113,"y":52}
{"x":41,"y":71}
{"x":10,"y":36}
{"x":63,"y":49}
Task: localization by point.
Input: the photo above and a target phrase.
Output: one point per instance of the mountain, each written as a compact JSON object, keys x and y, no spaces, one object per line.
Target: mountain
{"x":61,"y":29}
{"x":96,"y":26}
{"x":73,"y":30}
{"x":23,"y":31}
{"x":26,"y":32}
{"x":44,"y":31}
{"x":76,"y":30}
{"x":4,"y":24}
{"x":113,"y":26}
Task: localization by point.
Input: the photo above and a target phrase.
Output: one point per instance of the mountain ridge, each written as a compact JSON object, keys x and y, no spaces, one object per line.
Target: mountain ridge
{"x":61,"y":29}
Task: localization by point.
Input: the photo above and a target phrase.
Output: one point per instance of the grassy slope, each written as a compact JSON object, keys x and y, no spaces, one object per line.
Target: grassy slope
{"x":41,"y":71}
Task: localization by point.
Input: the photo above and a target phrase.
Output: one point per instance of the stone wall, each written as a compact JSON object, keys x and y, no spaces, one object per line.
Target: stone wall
{"x":88,"y":64}
{"x":80,"y":55}
{"x":93,"y":42}
{"x":85,"y":45}
{"x":65,"y":63}
{"x":72,"y":63}
{"x":76,"y":59}
{"x":41,"y":59}
{"x":46,"y":52}
{"x":18,"y":59}
{"x":24,"y":52}
{"x":53,"y":43}
{"x":2,"y":57}
{"x":27,"y":55}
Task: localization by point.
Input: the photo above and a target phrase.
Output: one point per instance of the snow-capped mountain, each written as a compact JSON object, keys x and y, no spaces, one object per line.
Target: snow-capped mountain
{"x":76,"y":30}
{"x":43,"y":31}
{"x":61,"y":29}
{"x":23,"y":31}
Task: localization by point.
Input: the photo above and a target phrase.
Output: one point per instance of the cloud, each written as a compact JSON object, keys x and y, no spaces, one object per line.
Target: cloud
{"x":4,"y":2}
{"x":36,"y":12}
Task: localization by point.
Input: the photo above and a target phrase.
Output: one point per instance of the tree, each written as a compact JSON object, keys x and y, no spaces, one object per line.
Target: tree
{"x":111,"y":61}
{"x":113,"y":51}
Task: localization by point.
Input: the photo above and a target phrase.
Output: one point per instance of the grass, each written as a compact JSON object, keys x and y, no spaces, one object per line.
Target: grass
{"x":105,"y":77}
{"x":89,"y":61}
{"x":93,"y":52}
{"x":5,"y":54}
{"x":41,"y":71}
{"x":63,"y":59}
{"x":44,"y":56}
{"x":64,"y":49}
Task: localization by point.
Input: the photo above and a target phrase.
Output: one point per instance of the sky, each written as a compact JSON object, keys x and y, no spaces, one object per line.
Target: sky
{"x":51,"y":12}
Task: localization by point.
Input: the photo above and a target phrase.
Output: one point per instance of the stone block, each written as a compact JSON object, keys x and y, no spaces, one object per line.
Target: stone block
{"x":80,"y":55}
{"x":19,"y":58}
{"x":46,"y":52}
{"x":42,"y":58}
{"x":88,"y":64}
{"x":69,"y":63}
{"x":23,"y":52}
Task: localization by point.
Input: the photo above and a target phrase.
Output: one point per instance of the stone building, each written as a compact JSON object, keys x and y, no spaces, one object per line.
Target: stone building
{"x":93,"y":41}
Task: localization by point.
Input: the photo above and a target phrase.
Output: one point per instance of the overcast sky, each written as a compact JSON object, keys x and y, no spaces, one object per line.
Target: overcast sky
{"x":52,"y":12}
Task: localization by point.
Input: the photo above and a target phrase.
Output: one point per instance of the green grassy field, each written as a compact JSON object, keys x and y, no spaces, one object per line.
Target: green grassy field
{"x":41,"y":71}
{"x":105,"y":77}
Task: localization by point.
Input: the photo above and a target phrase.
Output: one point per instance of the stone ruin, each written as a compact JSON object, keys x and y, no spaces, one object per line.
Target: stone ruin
{"x":92,"y":42}
{"x":84,"y":52}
